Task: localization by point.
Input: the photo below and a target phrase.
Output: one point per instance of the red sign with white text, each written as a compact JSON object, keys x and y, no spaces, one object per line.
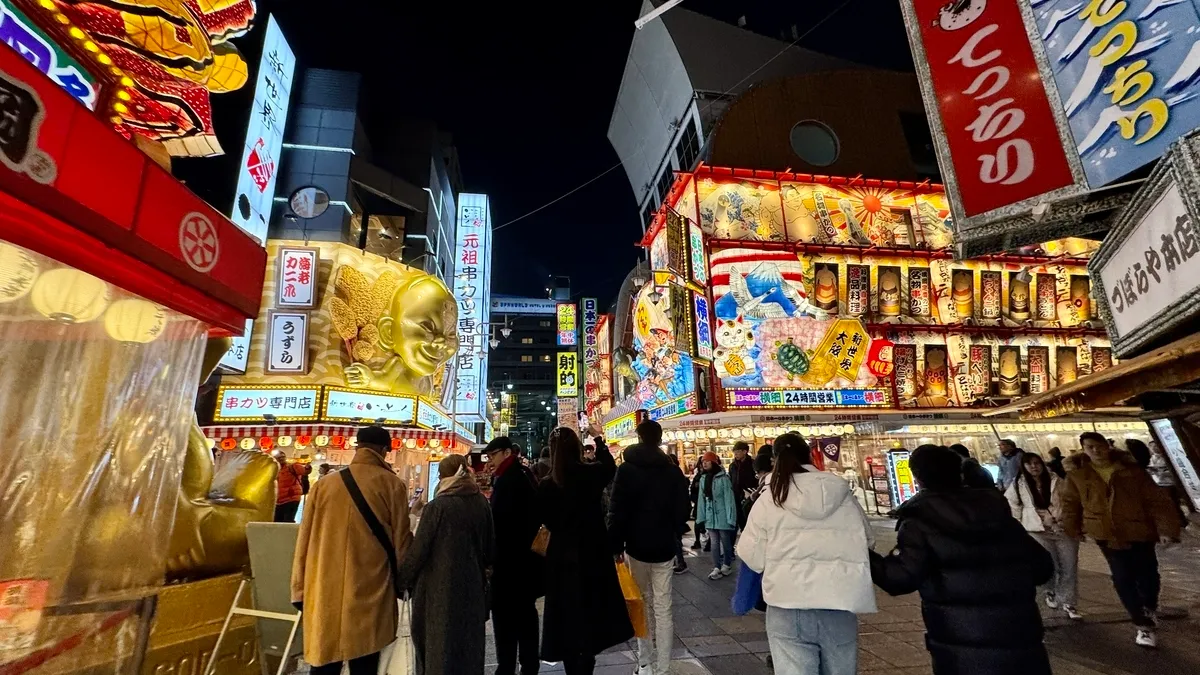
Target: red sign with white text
{"x":997,"y":117}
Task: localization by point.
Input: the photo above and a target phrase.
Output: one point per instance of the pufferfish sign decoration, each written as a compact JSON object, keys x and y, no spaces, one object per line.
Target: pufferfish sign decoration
{"x":153,"y":63}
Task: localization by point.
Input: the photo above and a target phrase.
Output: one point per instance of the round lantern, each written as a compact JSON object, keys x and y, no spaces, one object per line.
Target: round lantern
{"x":303,"y":440}
{"x":711,"y":433}
{"x":722,"y":433}
{"x":735,"y":433}
{"x":322,"y":441}
{"x":421,"y":442}
{"x":284,"y":441}
{"x":758,"y":432}
{"x":337,"y":441}
{"x":690,"y":435}
{"x":668,"y":436}
{"x":435,"y":442}
{"x":770,"y":432}
{"x":135,"y":320}
{"x":351,"y":441}
{"x":266,"y":443}
{"x":410,"y":443}
{"x":848,"y":429}
{"x":70,"y":296}
{"x":228,"y":444}
{"x":247,"y":444}
{"x":396,"y":443}
{"x":18,"y":271}
{"x":747,"y":432}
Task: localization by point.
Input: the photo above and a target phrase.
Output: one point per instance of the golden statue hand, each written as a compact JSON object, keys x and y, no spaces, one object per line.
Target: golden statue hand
{"x":360,"y":376}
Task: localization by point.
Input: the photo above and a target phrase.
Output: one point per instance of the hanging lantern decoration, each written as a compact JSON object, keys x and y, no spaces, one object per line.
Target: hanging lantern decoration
{"x":396,"y":443}
{"x":337,"y":441}
{"x":711,"y":433}
{"x":266,"y":443}
{"x":879,"y":357}
{"x":228,"y":444}
{"x":434,"y":442}
{"x":68,"y":295}
{"x":303,"y":440}
{"x":421,"y":442}
{"x":410,"y":443}
{"x":284,"y":441}
{"x":135,"y":320}
{"x":247,"y":444}
{"x":18,"y":271}
{"x":322,"y":441}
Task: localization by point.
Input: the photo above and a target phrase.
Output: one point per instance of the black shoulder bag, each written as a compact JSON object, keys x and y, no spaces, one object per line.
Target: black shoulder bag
{"x":374,"y":525}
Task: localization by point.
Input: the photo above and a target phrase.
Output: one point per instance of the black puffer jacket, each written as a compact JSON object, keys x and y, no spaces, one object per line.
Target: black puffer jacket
{"x":977,"y":571}
{"x":649,"y":507}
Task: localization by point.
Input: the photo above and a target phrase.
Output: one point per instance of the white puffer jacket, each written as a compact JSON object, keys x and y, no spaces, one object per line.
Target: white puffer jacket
{"x":812,"y":551}
{"x":1023,"y":509}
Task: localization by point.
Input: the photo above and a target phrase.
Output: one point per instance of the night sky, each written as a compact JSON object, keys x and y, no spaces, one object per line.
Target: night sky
{"x":527,"y":90}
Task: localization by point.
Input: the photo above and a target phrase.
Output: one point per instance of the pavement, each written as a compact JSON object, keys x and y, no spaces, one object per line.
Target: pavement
{"x":709,"y":639}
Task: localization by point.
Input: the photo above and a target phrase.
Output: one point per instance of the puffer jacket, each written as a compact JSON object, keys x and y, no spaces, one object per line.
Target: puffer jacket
{"x":1127,"y":508}
{"x":812,"y":551}
{"x":720,"y":512}
{"x":649,"y":506}
{"x":289,"y":487}
{"x":977,"y":571}
{"x":1023,"y":509}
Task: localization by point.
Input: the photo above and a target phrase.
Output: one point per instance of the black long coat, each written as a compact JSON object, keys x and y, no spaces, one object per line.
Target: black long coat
{"x":977,"y":571}
{"x":585,"y":610}
{"x":445,"y":567}
{"x":518,"y":570}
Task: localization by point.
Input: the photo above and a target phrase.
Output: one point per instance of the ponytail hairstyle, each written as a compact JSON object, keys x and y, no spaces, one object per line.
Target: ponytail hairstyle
{"x":791,"y":454}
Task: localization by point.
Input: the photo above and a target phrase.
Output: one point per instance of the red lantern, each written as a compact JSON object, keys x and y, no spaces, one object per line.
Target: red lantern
{"x":228,"y":444}
{"x":266,"y":442}
{"x":337,"y":441}
{"x":396,"y":443}
{"x":304,"y":439}
{"x":879,"y":357}
{"x":421,"y":442}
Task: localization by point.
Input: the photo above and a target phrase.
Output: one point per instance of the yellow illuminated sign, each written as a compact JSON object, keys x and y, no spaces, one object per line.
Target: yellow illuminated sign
{"x":568,"y":374}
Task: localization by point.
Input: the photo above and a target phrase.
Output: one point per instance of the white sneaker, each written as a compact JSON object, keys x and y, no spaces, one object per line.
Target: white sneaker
{"x":715,"y":574}
{"x":726,"y":570}
{"x":1051,"y":602}
{"x":1146,"y":637}
{"x":1072,"y":613}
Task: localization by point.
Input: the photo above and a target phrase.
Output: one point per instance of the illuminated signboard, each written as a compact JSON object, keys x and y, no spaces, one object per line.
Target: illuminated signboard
{"x":284,"y":403}
{"x":264,"y":135}
{"x":900,"y":478}
{"x":698,"y":260}
{"x":287,"y":342}
{"x":351,"y":405}
{"x":566,"y":324}
{"x":591,"y":352}
{"x":568,"y":374}
{"x":513,"y":305}
{"x":805,"y":398}
{"x":296,"y":285}
{"x":472,"y":290}
{"x":430,"y":417}
{"x":680,"y":406}
{"x":239,"y":351}
{"x":621,"y":427}
{"x":39,"y":49}
{"x":704,"y":343}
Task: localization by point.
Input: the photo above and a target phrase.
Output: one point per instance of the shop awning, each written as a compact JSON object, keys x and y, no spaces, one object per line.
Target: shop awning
{"x":1166,"y":367}
{"x":314,"y":430}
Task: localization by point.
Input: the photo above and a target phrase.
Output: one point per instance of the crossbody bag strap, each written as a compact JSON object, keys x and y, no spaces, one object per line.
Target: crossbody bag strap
{"x":373,"y":524}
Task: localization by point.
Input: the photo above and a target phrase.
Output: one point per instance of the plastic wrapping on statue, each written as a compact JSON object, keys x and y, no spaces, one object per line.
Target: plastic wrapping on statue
{"x":97,"y":388}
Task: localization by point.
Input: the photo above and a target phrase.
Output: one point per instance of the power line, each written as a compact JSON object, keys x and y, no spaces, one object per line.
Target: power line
{"x":728,"y":91}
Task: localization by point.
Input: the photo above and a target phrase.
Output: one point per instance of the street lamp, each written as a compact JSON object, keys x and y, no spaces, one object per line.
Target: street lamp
{"x":509,"y":385}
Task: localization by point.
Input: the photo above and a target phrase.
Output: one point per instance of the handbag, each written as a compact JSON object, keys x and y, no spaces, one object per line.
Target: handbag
{"x":364,"y":509}
{"x":747,"y":593}
{"x":634,"y":604}
{"x":541,"y":541}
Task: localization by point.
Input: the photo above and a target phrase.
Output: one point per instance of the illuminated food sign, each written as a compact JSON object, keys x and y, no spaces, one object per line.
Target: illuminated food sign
{"x":283,"y":403}
{"x":805,"y":398}
{"x":567,"y":336}
{"x":287,"y":342}
{"x":354,"y":405}
{"x":296,"y":285}
{"x":472,"y":290}
{"x":590,"y":316}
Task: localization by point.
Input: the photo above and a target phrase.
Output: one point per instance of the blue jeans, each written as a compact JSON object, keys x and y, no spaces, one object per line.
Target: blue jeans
{"x":722,"y":546}
{"x":813,"y":641}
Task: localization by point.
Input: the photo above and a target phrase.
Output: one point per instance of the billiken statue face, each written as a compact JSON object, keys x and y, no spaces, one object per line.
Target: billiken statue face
{"x":421,"y":326}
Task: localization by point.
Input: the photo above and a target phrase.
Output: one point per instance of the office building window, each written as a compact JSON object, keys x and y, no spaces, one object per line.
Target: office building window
{"x":526,"y":340}
{"x":664,"y":183}
{"x":526,"y":358}
{"x":647,"y":214}
{"x":687,"y":151}
{"x":546,"y":323}
{"x":545,"y":358}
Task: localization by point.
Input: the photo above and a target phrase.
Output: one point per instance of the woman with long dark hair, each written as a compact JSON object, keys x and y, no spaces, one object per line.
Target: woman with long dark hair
{"x":585,"y":609}
{"x":1034,"y":500}
{"x":809,"y":539}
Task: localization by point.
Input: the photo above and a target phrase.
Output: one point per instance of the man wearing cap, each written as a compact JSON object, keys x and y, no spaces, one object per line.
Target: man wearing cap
{"x":341,"y":575}
{"x":517,"y":575}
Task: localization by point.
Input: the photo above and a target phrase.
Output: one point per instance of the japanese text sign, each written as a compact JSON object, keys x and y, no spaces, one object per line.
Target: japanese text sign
{"x":351,"y":405}
{"x":296,"y":285}
{"x":264,"y":135}
{"x":568,"y":374}
{"x":1126,"y":74}
{"x":591,"y":351}
{"x":31,"y":42}
{"x":704,"y":338}
{"x":287,"y":342}
{"x":284,"y":403}
{"x":999,"y":127}
{"x":472,"y":291}
{"x":566,"y":324}
{"x":238,"y":355}
{"x":804,"y":398}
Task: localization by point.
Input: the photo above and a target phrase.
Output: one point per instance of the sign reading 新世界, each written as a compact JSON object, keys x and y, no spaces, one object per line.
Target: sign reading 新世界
{"x":350,"y":405}
{"x":283,"y":403}
{"x":296,"y":287}
{"x":287,"y":342}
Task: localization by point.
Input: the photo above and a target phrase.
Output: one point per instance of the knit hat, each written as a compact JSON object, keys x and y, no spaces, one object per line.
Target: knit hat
{"x":711,"y":456}
{"x":374,"y":435}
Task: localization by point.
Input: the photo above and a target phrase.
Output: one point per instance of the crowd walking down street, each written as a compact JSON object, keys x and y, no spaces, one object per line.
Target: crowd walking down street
{"x":970,"y":580}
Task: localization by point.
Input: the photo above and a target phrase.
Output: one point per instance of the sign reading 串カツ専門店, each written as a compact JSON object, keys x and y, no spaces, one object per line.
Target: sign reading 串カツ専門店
{"x":1147,"y":271}
{"x":1126,"y":74}
{"x":283,"y":403}
{"x":296,"y":287}
{"x":287,"y":342}
{"x":568,"y":374}
{"x":472,"y":291}
{"x":566,"y":324}
{"x":32,"y":43}
{"x":264,"y":135}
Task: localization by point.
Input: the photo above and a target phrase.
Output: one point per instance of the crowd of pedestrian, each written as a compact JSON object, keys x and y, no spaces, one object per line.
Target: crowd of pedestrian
{"x":981,"y":552}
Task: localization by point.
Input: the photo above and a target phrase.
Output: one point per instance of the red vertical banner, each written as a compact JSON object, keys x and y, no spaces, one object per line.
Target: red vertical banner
{"x":999,"y":126}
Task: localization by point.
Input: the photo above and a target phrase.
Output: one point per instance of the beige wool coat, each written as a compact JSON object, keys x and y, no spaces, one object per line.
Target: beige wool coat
{"x":340,"y":571}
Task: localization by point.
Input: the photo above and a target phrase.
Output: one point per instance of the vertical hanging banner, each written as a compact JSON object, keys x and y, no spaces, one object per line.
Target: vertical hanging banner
{"x":568,"y":376}
{"x":296,"y":286}
{"x":704,"y":339}
{"x":565,"y":313}
{"x":472,"y":290}
{"x":287,"y":342}
{"x":591,"y":355}
{"x":992,"y":118}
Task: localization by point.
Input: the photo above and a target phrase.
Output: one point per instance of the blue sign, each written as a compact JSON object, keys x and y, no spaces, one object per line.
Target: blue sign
{"x":680,"y":406}
{"x":1126,"y":74}
{"x":18,"y":32}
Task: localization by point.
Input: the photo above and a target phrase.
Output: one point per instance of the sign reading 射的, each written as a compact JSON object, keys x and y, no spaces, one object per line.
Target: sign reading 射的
{"x":352,"y":405}
{"x":287,"y":342}
{"x":565,"y":312}
{"x":568,"y":374}
{"x":296,"y":285}
{"x":284,"y":403}
{"x":264,"y":135}
{"x":805,"y":398}
{"x":472,"y":290}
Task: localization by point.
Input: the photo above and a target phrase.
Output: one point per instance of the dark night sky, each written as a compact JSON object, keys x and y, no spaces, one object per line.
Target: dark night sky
{"x":527,"y":89}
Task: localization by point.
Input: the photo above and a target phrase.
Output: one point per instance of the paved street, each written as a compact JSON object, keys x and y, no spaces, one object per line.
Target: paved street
{"x":709,"y":639}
